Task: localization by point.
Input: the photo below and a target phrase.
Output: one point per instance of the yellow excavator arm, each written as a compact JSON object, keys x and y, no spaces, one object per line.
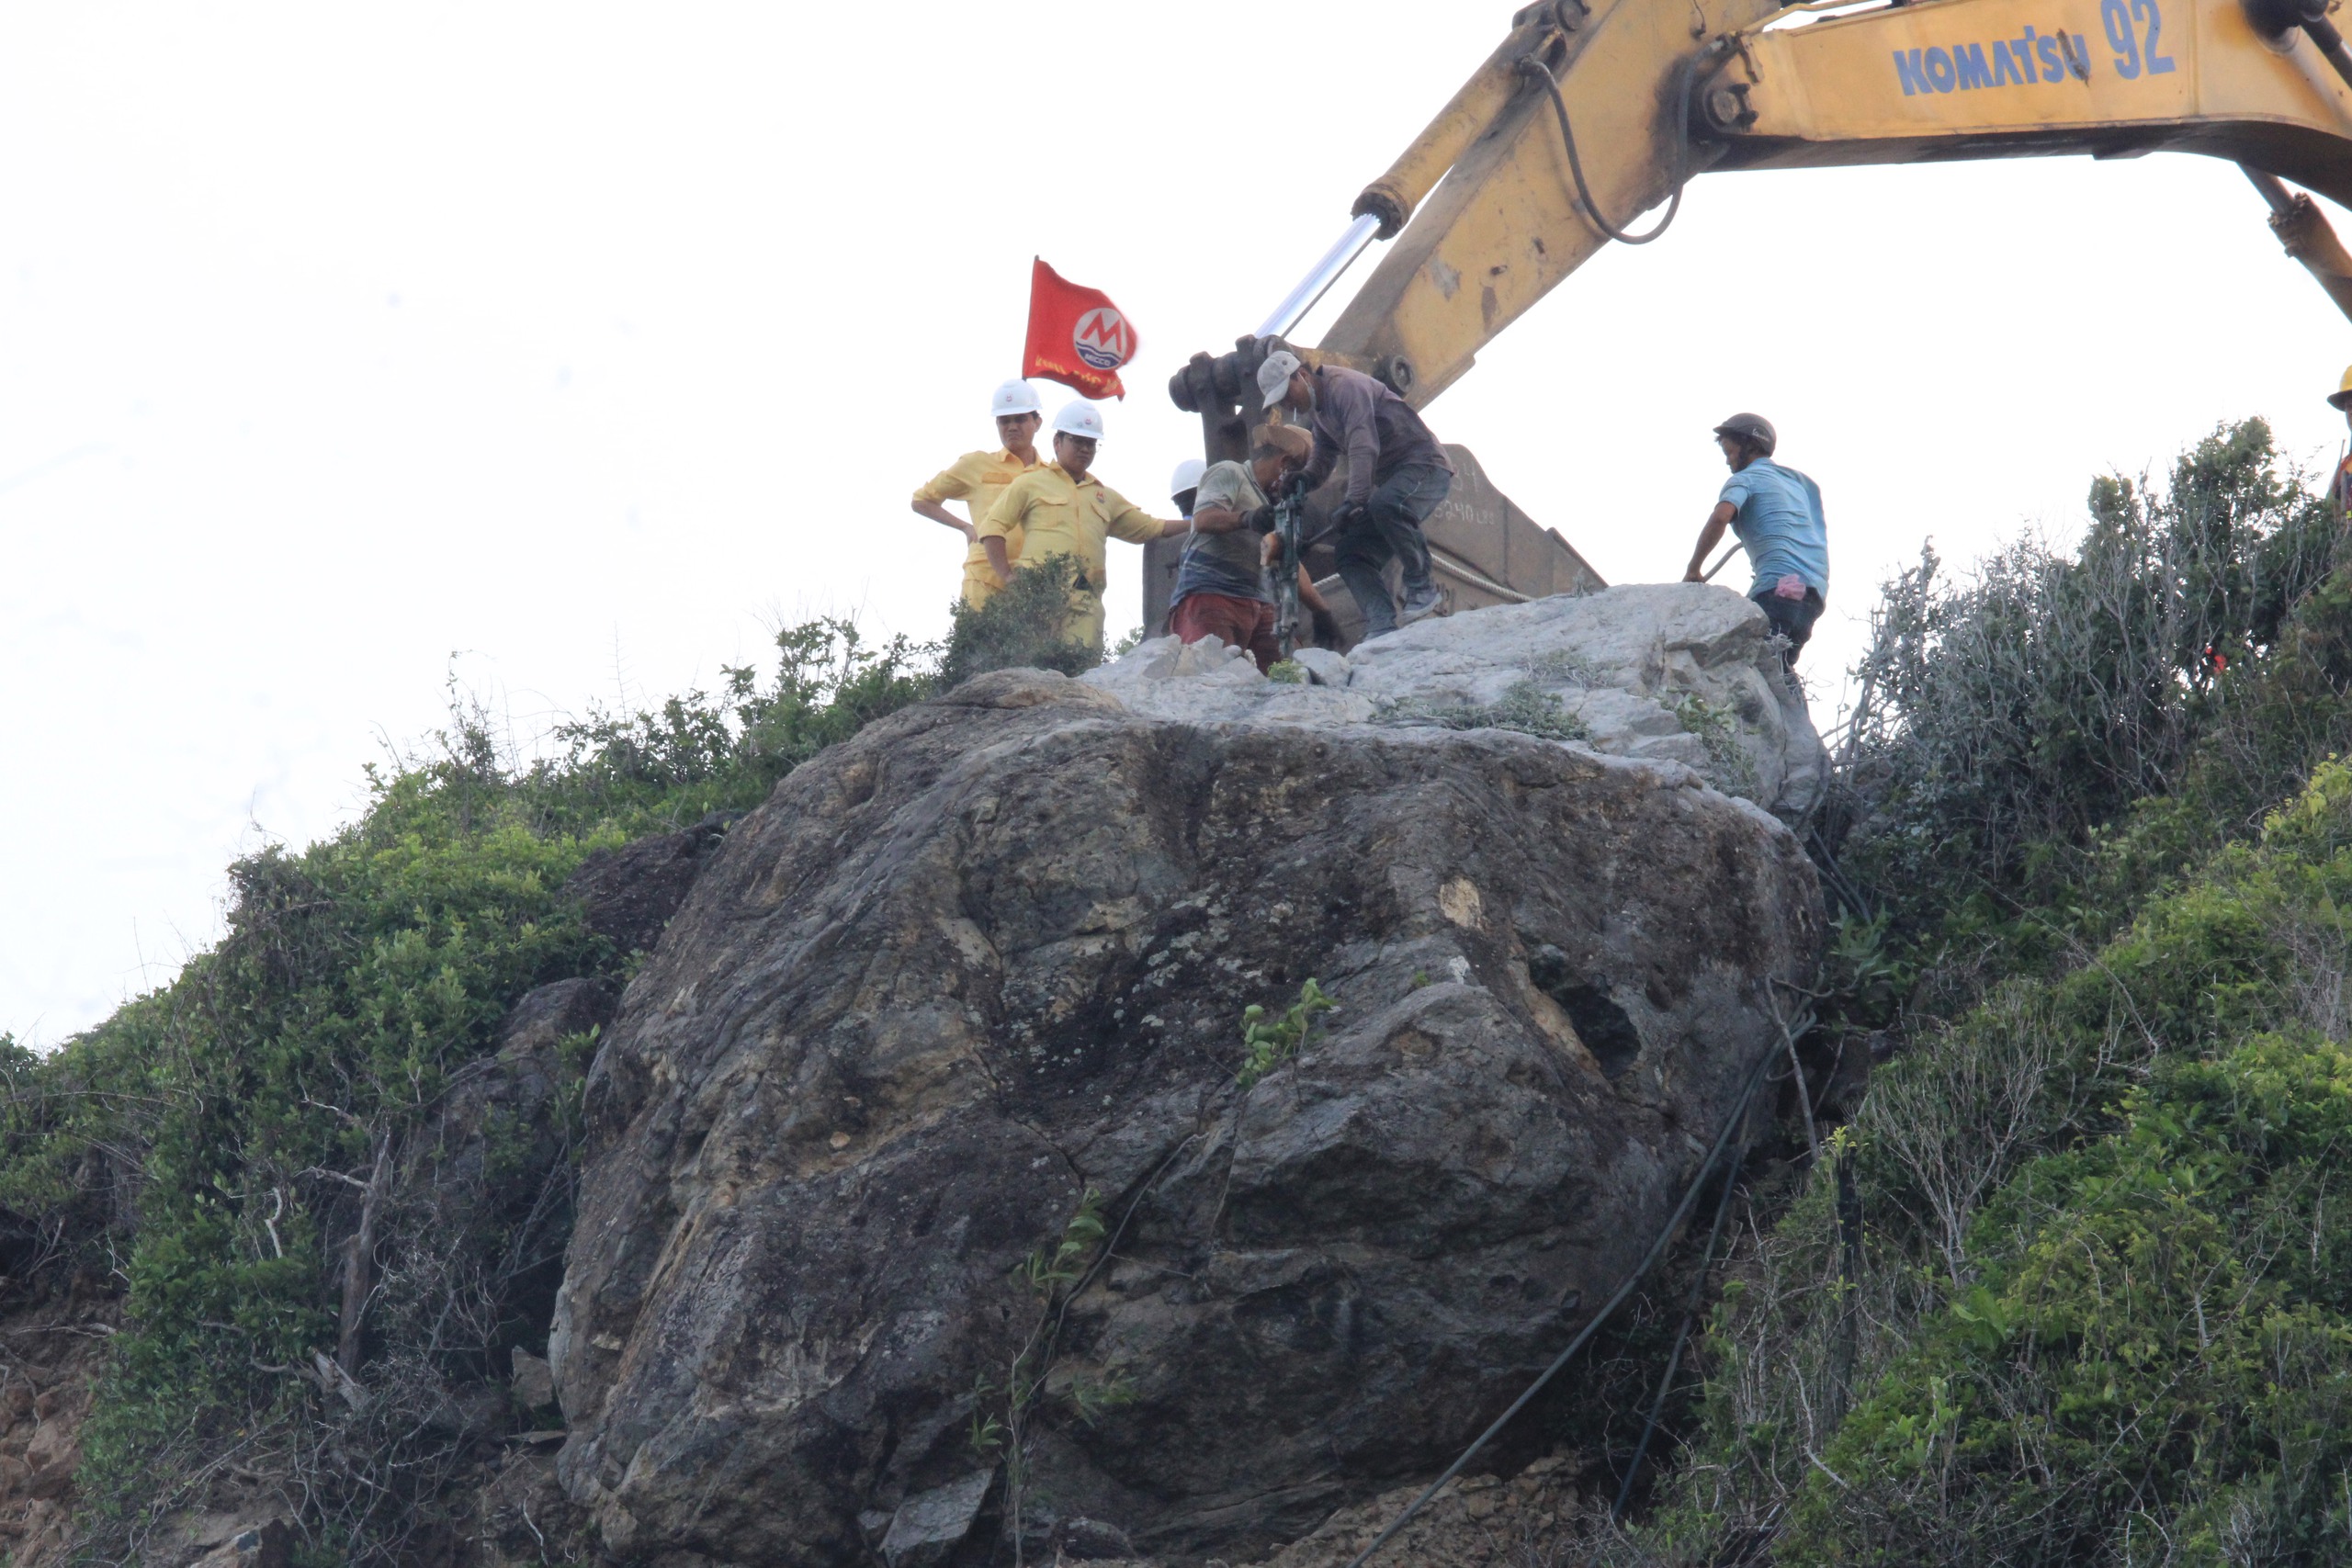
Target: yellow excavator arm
{"x":1588,"y":115}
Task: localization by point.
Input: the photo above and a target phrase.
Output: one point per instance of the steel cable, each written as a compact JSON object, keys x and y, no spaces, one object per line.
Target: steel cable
{"x":1681,"y":1338}
{"x":1657,"y":1249}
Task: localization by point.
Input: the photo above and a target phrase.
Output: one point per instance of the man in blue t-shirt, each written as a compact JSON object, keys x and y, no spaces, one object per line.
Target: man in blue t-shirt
{"x":1776,"y":512}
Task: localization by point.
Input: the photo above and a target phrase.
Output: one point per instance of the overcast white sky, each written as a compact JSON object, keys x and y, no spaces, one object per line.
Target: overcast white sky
{"x":570,"y":347}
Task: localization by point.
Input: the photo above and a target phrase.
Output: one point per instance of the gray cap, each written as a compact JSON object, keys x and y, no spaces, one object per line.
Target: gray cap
{"x":1274,"y":375}
{"x":1753,"y":428}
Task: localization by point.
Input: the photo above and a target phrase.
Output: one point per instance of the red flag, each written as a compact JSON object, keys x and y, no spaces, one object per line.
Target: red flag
{"x":1076,"y":335}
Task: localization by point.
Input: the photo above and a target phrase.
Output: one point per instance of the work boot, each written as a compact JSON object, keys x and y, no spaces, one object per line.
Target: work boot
{"x":1419,"y":602}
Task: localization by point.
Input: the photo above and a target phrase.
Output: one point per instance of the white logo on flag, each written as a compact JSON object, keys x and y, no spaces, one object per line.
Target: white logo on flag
{"x":1101,"y":338}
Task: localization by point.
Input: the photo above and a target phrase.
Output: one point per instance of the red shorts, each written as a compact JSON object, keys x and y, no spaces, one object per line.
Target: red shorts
{"x":1239,"y":623}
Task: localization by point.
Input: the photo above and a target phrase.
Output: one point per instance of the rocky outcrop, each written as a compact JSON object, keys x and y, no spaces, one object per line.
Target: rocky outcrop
{"x":973,"y":983}
{"x":628,"y":895}
{"x":1676,"y":672}
{"x":52,"y":1347}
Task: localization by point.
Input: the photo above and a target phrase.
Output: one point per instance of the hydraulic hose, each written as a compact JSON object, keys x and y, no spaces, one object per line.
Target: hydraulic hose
{"x":2324,"y":33}
{"x":2276,"y":18}
{"x":1535,"y":70}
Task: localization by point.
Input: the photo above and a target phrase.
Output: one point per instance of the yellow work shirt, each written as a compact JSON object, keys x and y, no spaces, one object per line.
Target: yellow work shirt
{"x":1056,"y":515}
{"x":978,"y":479}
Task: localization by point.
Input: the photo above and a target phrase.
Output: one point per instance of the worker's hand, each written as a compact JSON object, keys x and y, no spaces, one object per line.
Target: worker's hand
{"x":1352,"y":515}
{"x":1262,"y":519}
{"x":1326,"y":628}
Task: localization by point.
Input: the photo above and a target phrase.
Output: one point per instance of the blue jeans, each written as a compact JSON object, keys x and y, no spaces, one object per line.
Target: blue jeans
{"x":1390,"y":529}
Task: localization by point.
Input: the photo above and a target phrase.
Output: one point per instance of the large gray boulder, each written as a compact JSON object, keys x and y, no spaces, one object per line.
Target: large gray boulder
{"x":1679,"y":672}
{"x":990,"y":958}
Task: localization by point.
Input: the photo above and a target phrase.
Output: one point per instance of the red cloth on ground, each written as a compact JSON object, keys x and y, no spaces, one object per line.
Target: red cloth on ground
{"x":1239,"y":623}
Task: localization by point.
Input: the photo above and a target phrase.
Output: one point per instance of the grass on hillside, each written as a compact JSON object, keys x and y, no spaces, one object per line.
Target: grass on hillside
{"x":208,"y":1151}
{"x":2074,"y":1285}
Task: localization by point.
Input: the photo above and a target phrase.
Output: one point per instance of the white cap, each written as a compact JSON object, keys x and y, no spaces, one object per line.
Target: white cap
{"x":1014,"y":396}
{"x":1274,"y":375}
{"x":1186,"y":477}
{"x":1080,"y":418}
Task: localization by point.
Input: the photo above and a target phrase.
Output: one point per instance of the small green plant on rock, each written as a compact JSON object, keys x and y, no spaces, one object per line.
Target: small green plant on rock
{"x":1051,"y":1272}
{"x":1728,"y":766}
{"x":1092,"y":1398}
{"x":1562,"y":664}
{"x":1526,"y":708}
{"x":1058,"y":1264}
{"x":1272,"y":1044}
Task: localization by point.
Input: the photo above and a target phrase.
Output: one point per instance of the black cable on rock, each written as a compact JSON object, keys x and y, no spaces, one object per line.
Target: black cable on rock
{"x":1657,"y":1249}
{"x":1681,"y":1338}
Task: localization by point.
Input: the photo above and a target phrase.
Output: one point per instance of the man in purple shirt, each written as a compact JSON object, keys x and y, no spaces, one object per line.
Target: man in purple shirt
{"x":1396,"y":476}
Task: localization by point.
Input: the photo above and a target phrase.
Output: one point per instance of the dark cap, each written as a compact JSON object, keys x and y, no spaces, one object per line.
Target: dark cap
{"x":1753,"y":428}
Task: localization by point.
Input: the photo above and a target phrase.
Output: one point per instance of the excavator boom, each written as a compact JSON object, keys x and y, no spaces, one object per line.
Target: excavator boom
{"x":1588,"y":115}
{"x":1592,"y":112}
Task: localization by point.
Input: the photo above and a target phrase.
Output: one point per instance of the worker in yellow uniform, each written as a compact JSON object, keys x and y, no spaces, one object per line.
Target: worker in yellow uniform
{"x":977,"y":479}
{"x":2342,"y":401}
{"x":1062,"y":510}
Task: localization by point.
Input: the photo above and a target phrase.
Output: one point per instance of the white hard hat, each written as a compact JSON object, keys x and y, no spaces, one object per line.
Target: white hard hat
{"x":1186,"y":477}
{"x":1273,"y":376}
{"x":1014,"y":396}
{"x":1080,"y":418}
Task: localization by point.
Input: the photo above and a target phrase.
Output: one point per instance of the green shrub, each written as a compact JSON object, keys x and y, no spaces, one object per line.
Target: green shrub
{"x":2007,"y":722}
{"x":2076,"y":1286}
{"x":213,"y":1146}
{"x":2106,"y":1314}
{"x":1025,"y":625}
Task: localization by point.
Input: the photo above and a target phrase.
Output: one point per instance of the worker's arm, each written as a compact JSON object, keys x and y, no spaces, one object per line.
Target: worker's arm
{"x":1352,"y":410}
{"x":949,"y":484}
{"x":1220,"y":519}
{"x":1132,"y":522}
{"x":1225,"y":502}
{"x":1307,"y":593}
{"x":939,"y":513}
{"x":1326,"y":458}
{"x":1709,"y":537}
{"x":1011,"y":509}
